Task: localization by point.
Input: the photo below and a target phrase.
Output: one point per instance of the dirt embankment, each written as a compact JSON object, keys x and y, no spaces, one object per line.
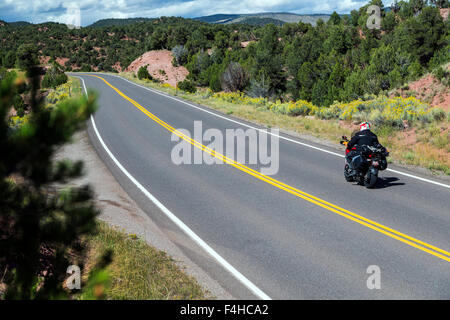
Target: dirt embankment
{"x":428,"y":89}
{"x":159,"y":65}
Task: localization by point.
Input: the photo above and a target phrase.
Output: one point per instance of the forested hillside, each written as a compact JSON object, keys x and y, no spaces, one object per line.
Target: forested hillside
{"x":337,"y":60}
{"x":118,"y":22}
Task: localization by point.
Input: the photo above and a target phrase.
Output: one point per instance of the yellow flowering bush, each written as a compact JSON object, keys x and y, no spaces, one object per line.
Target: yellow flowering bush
{"x":297,"y":108}
{"x":60,"y":93}
{"x":240,"y":98}
{"x":17,"y":121}
{"x":384,"y":111}
{"x":166,"y":85}
{"x":378,"y":110}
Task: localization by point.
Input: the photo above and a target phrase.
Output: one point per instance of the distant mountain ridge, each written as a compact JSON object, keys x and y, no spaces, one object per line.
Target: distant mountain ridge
{"x":275,"y":17}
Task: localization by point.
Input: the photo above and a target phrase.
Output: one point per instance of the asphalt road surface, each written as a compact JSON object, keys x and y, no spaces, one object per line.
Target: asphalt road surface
{"x":303,"y":233}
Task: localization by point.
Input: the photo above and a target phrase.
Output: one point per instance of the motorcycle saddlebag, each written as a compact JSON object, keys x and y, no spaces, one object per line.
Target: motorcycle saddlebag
{"x":358,"y":162}
{"x":383,"y":164}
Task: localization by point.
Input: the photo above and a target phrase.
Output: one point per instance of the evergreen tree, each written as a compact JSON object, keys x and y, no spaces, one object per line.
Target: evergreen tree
{"x":335,"y":19}
{"x":27,"y":56}
{"x":39,"y":224}
{"x":421,"y":36}
{"x":9,"y":59}
{"x":268,"y":60}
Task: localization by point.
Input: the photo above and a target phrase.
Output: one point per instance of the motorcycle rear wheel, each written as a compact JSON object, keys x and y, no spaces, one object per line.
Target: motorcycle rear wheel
{"x":370,"y":180}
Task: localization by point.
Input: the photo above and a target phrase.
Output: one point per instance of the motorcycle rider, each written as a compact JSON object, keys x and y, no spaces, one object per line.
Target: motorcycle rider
{"x":364,"y":137}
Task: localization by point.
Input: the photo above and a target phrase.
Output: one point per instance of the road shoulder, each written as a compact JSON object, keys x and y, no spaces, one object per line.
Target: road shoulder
{"x":119,"y":209}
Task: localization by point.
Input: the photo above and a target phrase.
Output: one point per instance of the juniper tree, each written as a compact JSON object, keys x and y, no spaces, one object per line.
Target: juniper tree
{"x":143,"y":73}
{"x":40,"y":223}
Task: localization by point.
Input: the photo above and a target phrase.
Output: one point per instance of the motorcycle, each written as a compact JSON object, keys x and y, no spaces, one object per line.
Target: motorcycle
{"x":367,"y":162}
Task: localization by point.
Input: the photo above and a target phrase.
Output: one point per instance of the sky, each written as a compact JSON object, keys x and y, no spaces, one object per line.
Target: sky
{"x":37,"y":11}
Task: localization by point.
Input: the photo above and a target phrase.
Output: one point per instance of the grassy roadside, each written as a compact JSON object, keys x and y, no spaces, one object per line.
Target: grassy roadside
{"x":139,"y":271}
{"x":425,"y":145}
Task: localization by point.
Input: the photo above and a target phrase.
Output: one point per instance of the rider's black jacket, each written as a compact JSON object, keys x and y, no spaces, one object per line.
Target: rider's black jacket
{"x":365,"y":137}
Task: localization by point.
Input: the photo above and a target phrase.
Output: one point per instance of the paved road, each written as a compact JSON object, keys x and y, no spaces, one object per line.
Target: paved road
{"x":284,"y":239}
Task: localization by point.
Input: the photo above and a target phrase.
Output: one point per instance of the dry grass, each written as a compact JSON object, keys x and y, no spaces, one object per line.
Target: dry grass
{"x":426,"y":147}
{"x":139,"y":271}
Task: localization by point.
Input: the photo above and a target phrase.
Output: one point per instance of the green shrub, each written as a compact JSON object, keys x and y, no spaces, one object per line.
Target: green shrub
{"x":438,"y":114}
{"x":214,"y":83}
{"x":415,"y":70}
{"x":440,"y":141}
{"x":377,"y":118}
{"x":51,"y":81}
{"x":259,"y":88}
{"x":143,"y":73}
{"x":85,"y":68}
{"x":440,"y":73}
{"x":19,"y":105}
{"x":54,"y":77}
{"x":187,"y":86}
{"x":326,"y":113}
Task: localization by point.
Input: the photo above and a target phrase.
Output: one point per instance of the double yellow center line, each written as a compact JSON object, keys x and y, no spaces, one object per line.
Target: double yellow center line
{"x":416,"y":243}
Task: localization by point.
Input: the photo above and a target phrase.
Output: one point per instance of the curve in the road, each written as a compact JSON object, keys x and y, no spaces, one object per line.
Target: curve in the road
{"x":282,"y":137}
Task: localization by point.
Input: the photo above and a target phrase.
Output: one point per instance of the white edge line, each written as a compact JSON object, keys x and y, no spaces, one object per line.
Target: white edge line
{"x":266,"y":131}
{"x":239,"y":276}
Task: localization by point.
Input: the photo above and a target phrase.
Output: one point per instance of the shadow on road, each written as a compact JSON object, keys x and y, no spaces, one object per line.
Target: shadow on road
{"x":388,"y":182}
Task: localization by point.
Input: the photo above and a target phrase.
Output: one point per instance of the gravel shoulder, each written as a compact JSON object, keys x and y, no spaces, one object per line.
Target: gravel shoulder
{"x":118,"y":209}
